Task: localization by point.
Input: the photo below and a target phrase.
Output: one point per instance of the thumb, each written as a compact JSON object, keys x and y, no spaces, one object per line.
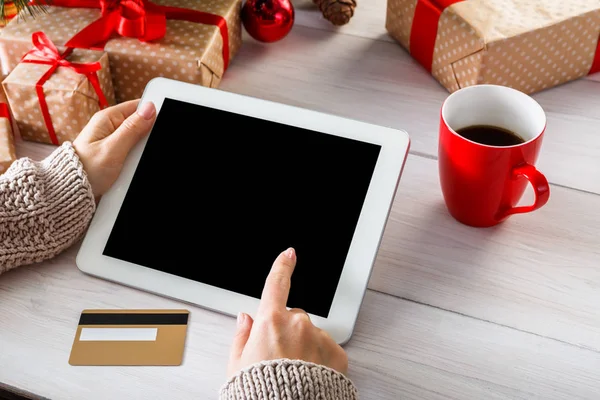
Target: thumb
{"x":132,"y":130}
{"x":244,"y":326}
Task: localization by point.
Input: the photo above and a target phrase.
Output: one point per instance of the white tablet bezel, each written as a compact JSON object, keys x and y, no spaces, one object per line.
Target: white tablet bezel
{"x":365,"y":242}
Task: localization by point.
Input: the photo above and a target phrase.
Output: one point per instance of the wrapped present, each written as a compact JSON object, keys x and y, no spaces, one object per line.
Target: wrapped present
{"x":53,"y":94}
{"x":187,"y":40}
{"x":7,"y":143}
{"x":528,"y":45}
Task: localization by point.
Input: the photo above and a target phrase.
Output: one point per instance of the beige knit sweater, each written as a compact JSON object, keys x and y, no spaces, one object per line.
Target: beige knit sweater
{"x":46,"y":206}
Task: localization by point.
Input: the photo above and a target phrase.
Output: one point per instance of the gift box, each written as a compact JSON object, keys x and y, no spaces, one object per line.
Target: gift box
{"x":528,"y":45}
{"x":53,"y":93}
{"x":187,"y":40}
{"x":7,"y":141}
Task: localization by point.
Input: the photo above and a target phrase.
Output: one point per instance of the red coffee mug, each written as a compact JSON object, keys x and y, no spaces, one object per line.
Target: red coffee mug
{"x":483,"y":184}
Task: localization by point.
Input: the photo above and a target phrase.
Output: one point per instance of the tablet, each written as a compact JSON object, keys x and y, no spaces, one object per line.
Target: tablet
{"x":224,"y":183}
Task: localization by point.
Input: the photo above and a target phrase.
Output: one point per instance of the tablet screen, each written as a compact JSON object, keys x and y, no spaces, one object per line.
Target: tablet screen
{"x":216,"y":196}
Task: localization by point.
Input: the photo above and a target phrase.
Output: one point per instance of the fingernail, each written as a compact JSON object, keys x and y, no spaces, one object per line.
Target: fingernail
{"x":290,"y":253}
{"x":147,"y":110}
{"x":240,"y":319}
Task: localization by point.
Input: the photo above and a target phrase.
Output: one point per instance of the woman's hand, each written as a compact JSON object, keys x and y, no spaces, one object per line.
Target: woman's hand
{"x":281,"y":333}
{"x":104,"y":143}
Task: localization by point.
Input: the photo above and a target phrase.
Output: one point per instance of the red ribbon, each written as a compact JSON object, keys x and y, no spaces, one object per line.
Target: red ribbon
{"x":423,"y":31}
{"x":139,"y":19}
{"x":5,"y":112}
{"x":596,"y":63}
{"x":46,"y":53}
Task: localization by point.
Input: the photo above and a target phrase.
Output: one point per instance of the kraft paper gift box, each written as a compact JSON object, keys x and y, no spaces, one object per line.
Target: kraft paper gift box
{"x":529,"y":45}
{"x":7,"y":143}
{"x":53,"y":93}
{"x":187,"y":40}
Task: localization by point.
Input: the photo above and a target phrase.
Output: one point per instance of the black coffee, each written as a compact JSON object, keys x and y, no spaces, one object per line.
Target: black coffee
{"x":490,"y":135}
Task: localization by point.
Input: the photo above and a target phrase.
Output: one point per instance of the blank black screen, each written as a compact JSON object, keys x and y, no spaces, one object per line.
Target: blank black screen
{"x":217,"y":196}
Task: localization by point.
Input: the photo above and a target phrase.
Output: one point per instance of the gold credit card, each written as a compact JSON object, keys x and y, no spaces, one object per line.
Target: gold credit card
{"x":130,"y":337}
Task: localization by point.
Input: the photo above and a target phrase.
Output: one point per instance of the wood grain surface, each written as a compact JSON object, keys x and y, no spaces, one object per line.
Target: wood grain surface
{"x":400,"y":349}
{"x":453,"y":312}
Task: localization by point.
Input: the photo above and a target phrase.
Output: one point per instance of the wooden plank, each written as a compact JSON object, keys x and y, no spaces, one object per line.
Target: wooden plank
{"x":368,"y":20}
{"x":425,"y":353}
{"x":400,"y":350}
{"x":536,"y":272}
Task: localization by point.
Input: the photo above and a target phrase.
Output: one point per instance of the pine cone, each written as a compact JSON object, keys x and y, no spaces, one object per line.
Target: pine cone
{"x":338,"y":12}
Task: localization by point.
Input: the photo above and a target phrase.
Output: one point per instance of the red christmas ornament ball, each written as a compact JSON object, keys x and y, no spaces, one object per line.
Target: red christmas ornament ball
{"x":268,"y":20}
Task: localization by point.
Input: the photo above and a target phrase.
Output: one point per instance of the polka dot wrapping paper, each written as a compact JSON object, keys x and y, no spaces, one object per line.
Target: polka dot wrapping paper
{"x":70,"y":97}
{"x":7,"y":140}
{"x":7,"y":145}
{"x":189,"y":51}
{"x":528,"y":45}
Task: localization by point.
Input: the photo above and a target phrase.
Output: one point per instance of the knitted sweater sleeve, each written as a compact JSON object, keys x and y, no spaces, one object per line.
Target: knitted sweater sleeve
{"x":289,"y":380}
{"x":44,"y":207}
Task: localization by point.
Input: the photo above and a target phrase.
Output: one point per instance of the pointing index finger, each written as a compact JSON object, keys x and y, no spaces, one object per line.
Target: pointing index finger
{"x":277,"y":285}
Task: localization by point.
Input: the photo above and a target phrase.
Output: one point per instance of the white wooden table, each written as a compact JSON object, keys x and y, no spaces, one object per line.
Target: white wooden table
{"x":452,"y":312}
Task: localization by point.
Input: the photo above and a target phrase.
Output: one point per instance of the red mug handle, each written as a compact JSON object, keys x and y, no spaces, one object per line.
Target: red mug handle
{"x":540,"y":188}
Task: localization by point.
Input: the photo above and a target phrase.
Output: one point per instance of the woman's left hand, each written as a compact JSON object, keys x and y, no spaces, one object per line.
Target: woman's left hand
{"x":107,"y":139}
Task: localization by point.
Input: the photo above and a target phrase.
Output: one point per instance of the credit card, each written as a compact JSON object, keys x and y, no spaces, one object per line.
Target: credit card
{"x":130,"y":337}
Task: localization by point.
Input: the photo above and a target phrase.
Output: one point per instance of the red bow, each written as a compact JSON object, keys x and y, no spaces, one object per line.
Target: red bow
{"x":45,"y":52}
{"x":139,"y":19}
{"x":130,"y":18}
